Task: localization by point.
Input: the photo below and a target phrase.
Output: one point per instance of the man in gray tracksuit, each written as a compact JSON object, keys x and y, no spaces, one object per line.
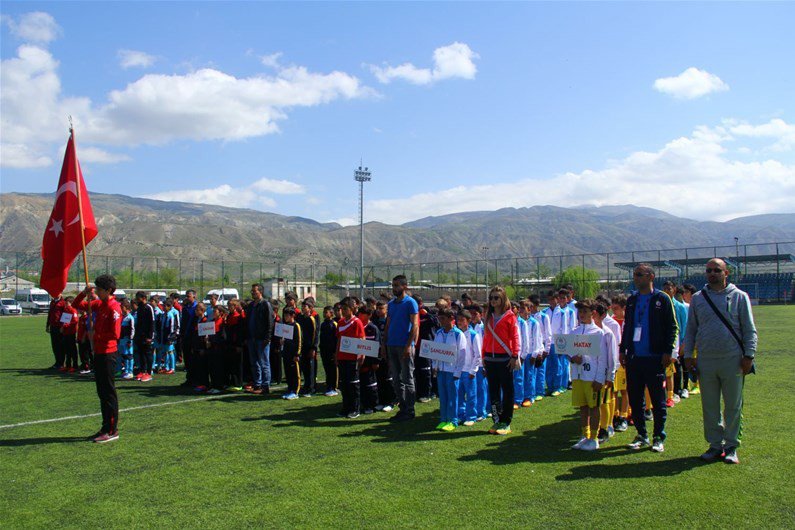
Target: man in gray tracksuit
{"x":722,"y":362}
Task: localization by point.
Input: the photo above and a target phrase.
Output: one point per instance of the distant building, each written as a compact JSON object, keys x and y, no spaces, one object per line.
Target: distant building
{"x":278,"y":287}
{"x":11,"y":282}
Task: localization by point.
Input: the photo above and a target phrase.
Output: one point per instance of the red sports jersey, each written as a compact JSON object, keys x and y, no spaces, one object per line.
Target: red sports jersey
{"x":107,"y":322}
{"x":349,"y":328}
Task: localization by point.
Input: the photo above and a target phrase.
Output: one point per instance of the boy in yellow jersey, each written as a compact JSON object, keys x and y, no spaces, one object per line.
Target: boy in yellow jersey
{"x":588,"y":375}
{"x":621,"y":413}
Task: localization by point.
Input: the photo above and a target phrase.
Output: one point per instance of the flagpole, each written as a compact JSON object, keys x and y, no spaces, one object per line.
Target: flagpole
{"x":79,"y":178}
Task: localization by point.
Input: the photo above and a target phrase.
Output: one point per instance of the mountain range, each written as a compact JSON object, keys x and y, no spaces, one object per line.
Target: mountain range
{"x":131,"y":226}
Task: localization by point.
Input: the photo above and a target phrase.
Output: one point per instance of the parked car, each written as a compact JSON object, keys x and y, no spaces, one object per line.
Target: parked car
{"x":33,"y":300}
{"x":224,"y":295}
{"x":9,"y":306}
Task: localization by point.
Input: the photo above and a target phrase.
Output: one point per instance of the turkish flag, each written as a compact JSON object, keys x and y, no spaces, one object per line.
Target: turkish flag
{"x":62,"y":242}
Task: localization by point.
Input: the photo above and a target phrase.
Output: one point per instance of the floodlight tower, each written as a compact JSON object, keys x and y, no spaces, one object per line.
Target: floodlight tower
{"x":361,"y":176}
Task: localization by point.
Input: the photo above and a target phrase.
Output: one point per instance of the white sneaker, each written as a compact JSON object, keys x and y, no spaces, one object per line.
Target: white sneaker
{"x":676,"y":398}
{"x":387,"y":408}
{"x":579,"y":444}
{"x":213,"y":391}
{"x":731,"y":456}
{"x":685,"y":393}
{"x":611,"y":431}
{"x":657,"y":446}
{"x":591,"y":444}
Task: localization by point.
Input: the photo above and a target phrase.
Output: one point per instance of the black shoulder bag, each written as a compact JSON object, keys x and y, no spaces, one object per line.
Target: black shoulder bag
{"x":728,"y":326}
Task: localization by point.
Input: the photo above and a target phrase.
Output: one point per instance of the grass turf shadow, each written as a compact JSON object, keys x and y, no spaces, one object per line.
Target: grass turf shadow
{"x":547,"y":443}
{"x":660,"y":468}
{"x":42,"y":441}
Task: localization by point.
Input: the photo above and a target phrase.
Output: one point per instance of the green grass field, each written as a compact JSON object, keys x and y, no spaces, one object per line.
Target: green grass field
{"x":246,"y":461}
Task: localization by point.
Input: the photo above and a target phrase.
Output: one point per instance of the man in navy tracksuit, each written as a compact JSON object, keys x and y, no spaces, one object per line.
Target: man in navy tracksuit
{"x":188,"y":315}
{"x":647,"y":343}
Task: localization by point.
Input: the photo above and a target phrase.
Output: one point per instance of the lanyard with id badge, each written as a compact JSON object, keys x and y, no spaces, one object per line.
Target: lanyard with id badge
{"x":641,"y":312}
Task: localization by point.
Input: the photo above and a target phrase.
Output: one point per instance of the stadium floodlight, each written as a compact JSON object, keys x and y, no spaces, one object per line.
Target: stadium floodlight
{"x":361,"y":176}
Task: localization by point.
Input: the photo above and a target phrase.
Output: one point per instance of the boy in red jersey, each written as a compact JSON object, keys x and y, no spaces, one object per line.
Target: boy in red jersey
{"x":348,"y":363}
{"x":104,"y":335}
{"x":68,"y":333}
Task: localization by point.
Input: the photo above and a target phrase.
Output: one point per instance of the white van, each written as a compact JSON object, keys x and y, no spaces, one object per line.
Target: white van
{"x":33,"y":300}
{"x":9,"y":306}
{"x":119,"y":295}
{"x":224,"y":295}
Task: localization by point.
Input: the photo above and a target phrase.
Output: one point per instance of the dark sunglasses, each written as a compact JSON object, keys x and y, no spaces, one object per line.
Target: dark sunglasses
{"x":715,"y":270}
{"x":641,"y":274}
{"x":495,"y":297}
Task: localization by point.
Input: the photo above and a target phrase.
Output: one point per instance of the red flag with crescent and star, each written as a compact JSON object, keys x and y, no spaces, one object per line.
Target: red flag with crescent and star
{"x":62,"y":242}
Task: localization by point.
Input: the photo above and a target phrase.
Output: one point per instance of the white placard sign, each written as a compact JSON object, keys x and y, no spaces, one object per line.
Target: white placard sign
{"x":206,"y":329}
{"x":284,"y":331}
{"x":571,"y":345}
{"x":352,"y":345}
{"x":438,"y":351}
{"x":66,"y":318}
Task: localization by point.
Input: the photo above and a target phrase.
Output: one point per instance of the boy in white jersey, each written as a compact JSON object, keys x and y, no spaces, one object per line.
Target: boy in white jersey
{"x":607,"y":403}
{"x":588,"y":376}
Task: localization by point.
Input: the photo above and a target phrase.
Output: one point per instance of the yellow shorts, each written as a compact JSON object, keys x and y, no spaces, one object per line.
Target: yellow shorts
{"x":670,"y":370}
{"x":620,"y":384}
{"x":583,"y":394}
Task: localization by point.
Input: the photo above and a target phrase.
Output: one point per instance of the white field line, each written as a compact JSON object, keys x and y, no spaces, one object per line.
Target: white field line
{"x":51,"y":420}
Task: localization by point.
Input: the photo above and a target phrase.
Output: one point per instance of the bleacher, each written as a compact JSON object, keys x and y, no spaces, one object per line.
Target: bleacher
{"x":764,"y":287}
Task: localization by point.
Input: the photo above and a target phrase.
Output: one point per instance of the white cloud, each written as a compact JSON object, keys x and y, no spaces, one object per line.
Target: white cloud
{"x":690,"y":84}
{"x":251,"y":196}
{"x":692,"y":176}
{"x":272,"y":60}
{"x":279,"y":187}
{"x":99,"y":156}
{"x":133,"y":58}
{"x":344,"y":221}
{"x":34,"y":27}
{"x":206,"y":104}
{"x":777,"y":129}
{"x":454,"y":60}
{"x":20,"y":157}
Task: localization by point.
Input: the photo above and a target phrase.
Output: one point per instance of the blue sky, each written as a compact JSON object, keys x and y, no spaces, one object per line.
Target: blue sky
{"x":454,"y":106}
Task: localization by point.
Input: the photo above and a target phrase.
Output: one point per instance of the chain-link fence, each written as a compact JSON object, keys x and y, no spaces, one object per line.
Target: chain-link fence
{"x":765,"y":271}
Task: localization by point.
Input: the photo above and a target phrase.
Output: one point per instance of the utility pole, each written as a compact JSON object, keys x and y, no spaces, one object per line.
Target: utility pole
{"x":361,"y":176}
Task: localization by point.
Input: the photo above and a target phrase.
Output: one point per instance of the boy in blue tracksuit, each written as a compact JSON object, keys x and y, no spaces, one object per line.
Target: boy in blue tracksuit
{"x":532,"y":350}
{"x":542,"y":317}
{"x":482,"y":404}
{"x":570,"y":316}
{"x":558,"y":325}
{"x":518,"y":375}
{"x":169,"y":331}
{"x":467,"y":384}
{"x":125,"y":340}
{"x":448,"y":373}
{"x":157,"y":346}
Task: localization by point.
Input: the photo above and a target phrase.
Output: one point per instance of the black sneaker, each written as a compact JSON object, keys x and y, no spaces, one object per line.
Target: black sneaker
{"x":712,"y":455}
{"x":603,"y":436}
